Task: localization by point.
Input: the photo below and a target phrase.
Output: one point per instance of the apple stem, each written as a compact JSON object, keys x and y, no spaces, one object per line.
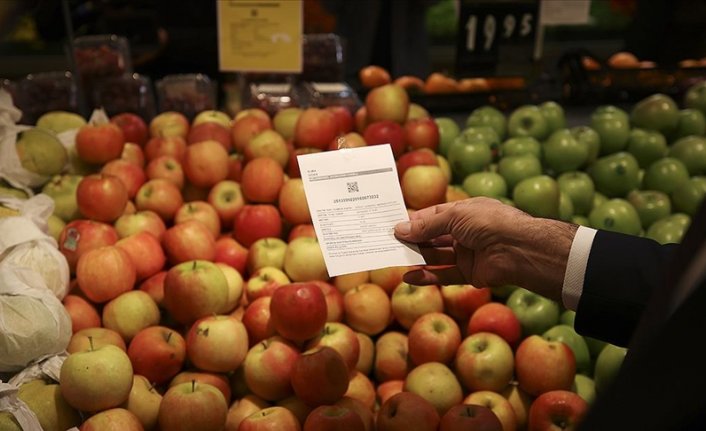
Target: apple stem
{"x":169,"y":336}
{"x":90,"y":342}
{"x":194,"y":265}
{"x":193,"y":385}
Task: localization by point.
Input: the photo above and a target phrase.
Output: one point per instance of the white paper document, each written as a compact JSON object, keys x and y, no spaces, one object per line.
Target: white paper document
{"x":355,"y":201}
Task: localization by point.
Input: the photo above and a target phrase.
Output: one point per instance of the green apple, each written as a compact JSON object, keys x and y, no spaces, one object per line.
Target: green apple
{"x":613,"y":127}
{"x":508,"y":201}
{"x":520,"y":146}
{"x":598,"y":199}
{"x":503,"y":292}
{"x":616,"y":215}
{"x":8,"y":422}
{"x":55,"y":226}
{"x":691,"y":150}
{"x":651,"y":205}
{"x":535,"y":312}
{"x":553,"y":113}
{"x":516,"y":168}
{"x":576,"y":343}
{"x":647,"y":146}
{"x":488,"y":184}
{"x":538,"y":196}
{"x":590,"y":138}
{"x":695,"y":97}
{"x":563,"y":153}
{"x":62,"y":189}
{"x":566,"y":207}
{"x":528,"y":120}
{"x":691,"y":122}
{"x":615,"y":175}
{"x":567,"y":318}
{"x":483,"y":133}
{"x":584,"y":387}
{"x":285,"y":121}
{"x":579,"y":187}
{"x":41,"y":152}
{"x":665,"y":175}
{"x":466,"y":158}
{"x":688,"y":196}
{"x":656,"y":112}
{"x":580,"y":220}
{"x":608,"y":365}
{"x":667,"y":231}
{"x":45,"y":400}
{"x":448,"y":131}
{"x":60,"y":121}
{"x":488,"y":116}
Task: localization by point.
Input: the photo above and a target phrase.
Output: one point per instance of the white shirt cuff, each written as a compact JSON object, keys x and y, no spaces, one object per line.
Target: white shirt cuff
{"x":576,"y":267}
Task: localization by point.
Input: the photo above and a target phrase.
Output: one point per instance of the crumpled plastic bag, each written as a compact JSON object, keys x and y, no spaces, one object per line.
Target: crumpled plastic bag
{"x":33,"y":322}
{"x":24,"y":242}
{"x":11,"y":169}
{"x":46,"y":368}
{"x":10,"y":403}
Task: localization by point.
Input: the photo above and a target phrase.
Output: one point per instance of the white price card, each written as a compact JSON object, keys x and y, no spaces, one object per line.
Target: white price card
{"x":355,"y":201}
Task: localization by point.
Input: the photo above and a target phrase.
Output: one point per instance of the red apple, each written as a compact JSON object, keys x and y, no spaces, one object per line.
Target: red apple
{"x":344,"y":118}
{"x":285,"y":121}
{"x":264,"y":282}
{"x":298,"y":310}
{"x":409,"y":302}
{"x":193,"y":290}
{"x":360,"y":409}
{"x":499,"y":319}
{"x":190,"y":240}
{"x":98,"y":144}
{"x":200,"y":211}
{"x":81,"y":236}
{"x":157,"y":353}
{"x":230,"y":252}
{"x":256,"y":221}
{"x":341,"y":338}
{"x":361,"y":119}
{"x":556,"y":410}
{"x":146,"y":253}
{"x":388,"y":102}
{"x":434,"y":337}
{"x":333,"y":418}
{"x":83,"y":313}
{"x":470,"y":417}
{"x":131,"y":175}
{"x":388,"y":389}
{"x":266,"y":252}
{"x":422,"y":156}
{"x":134,"y":154}
{"x":388,"y":278}
{"x":301,"y":230}
{"x":154,"y":286}
{"x":407,"y":411}
{"x":543,"y":366}
{"x":361,"y":388}
{"x":293,"y":163}
{"x":484,"y":362}
{"x":227,"y":199}
{"x":83,"y":339}
{"x":293,"y":203}
{"x":173,"y":146}
{"x":424,"y":186}
{"x":436,"y":383}
{"x":349,"y":140}
{"x":267,"y":143}
{"x":462,"y":300}
{"x":246,"y":128}
{"x":271,"y":419}
{"x":392,"y":357}
{"x":129,"y":313}
{"x":422,"y":133}
{"x":205,"y":163}
{"x":304,"y":260}
{"x":210,"y":131}
{"x":104,"y":273}
{"x":320,"y":376}
{"x":217,"y":343}
{"x":141,"y":221}
{"x":167,"y":168}
{"x":334,"y":301}
{"x":386,"y":132}
{"x":262,"y":180}
{"x":133,"y":126}
{"x":193,"y":406}
{"x":242,"y":408}
{"x":367,"y":308}
{"x":315,"y":128}
{"x":235,"y":166}
{"x":101,"y":197}
{"x":256,"y":319}
{"x":217,"y":380}
{"x":160,"y":196}
{"x":268,"y":368}
{"x":115,"y":419}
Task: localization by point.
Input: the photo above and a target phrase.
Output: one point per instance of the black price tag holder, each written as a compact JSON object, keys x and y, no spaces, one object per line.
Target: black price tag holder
{"x":497,"y":37}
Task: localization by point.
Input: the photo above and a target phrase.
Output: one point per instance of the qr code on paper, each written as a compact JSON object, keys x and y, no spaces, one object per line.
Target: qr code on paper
{"x":353,"y":187}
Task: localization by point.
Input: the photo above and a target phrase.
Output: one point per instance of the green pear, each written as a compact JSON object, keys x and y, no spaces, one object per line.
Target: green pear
{"x":45,"y":400}
{"x":55,"y":226}
{"x":41,"y":152}
{"x":8,"y":422}
{"x":62,"y":189}
{"x":7,"y":190}
{"x":60,"y":121}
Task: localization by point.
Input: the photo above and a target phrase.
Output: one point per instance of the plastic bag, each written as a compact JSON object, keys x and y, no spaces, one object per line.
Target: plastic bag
{"x":33,"y":322}
{"x":11,"y":169}
{"x":24,"y":242}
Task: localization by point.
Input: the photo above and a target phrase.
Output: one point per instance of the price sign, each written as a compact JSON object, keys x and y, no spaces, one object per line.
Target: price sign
{"x":496,"y":34}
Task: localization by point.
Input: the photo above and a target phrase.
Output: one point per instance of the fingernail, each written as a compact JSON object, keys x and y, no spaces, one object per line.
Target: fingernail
{"x":403,"y":228}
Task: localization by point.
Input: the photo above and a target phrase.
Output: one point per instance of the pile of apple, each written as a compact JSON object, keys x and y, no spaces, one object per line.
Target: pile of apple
{"x":201,"y":300}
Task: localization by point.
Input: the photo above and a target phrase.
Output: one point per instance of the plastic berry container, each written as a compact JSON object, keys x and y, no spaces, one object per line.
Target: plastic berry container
{"x":101,"y":56}
{"x":273,"y":96}
{"x":127,"y":93}
{"x":323,"y":58}
{"x":186,"y":93}
{"x":324,"y":94}
{"x":39,"y":93}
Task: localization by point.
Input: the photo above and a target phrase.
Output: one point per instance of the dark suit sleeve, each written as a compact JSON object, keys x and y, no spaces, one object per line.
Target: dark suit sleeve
{"x":621,"y":273}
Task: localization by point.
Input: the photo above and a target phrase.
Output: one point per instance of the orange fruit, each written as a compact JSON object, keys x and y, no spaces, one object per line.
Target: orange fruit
{"x":410,"y":83}
{"x":623,"y":60}
{"x":589,"y":63}
{"x":473,"y":85}
{"x":374,"y":76}
{"x":438,"y":83}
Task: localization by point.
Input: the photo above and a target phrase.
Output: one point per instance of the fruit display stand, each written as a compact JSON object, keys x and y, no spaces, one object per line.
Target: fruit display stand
{"x":197,"y":278}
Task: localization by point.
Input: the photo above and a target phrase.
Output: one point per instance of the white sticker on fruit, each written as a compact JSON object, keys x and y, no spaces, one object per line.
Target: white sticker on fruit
{"x":355,"y":201}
